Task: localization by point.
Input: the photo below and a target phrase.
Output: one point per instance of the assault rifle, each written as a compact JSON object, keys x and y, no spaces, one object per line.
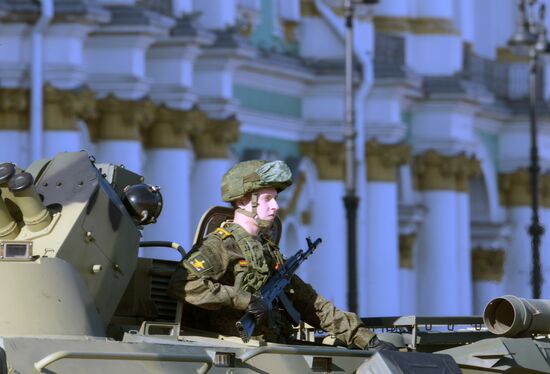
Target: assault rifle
{"x":273,"y":291}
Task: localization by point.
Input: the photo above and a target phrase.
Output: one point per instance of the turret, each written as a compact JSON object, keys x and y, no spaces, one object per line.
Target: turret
{"x":68,"y":243}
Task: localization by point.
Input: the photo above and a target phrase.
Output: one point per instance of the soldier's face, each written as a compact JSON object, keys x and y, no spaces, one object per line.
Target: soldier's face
{"x":267,"y":204}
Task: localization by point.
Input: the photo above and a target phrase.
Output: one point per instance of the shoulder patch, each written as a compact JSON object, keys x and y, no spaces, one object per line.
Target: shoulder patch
{"x":221,"y":233}
{"x":198,"y":263}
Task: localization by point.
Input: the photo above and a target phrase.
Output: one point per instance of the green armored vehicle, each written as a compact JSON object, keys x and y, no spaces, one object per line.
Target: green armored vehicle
{"x":77,"y":299}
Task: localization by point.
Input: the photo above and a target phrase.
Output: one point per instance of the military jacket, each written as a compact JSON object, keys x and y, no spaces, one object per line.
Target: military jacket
{"x":217,"y":279}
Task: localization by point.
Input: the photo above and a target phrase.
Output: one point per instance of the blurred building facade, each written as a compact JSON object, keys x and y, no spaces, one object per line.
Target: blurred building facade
{"x":180,"y":90}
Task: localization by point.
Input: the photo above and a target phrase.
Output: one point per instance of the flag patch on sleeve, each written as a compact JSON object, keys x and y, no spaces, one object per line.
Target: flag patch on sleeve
{"x":243,"y":263}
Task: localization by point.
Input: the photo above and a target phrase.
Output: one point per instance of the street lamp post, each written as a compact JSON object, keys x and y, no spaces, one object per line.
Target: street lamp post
{"x":530,"y":37}
{"x":351,"y":200}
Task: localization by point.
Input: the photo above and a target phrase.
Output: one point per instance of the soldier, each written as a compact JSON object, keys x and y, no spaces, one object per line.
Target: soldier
{"x":219,"y":280}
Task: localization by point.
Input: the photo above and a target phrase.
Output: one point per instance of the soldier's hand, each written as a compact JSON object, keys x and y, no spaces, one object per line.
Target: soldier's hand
{"x":376,"y":344}
{"x":258,"y":307}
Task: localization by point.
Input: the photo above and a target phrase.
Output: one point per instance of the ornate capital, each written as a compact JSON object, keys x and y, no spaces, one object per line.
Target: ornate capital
{"x":14,"y":109}
{"x":309,"y":9}
{"x":435,"y":171}
{"x":487,"y":265}
{"x":121,"y":119}
{"x":62,"y":108}
{"x":289,"y":30}
{"x":383,"y":159}
{"x":514,"y":188}
{"x":438,"y":172}
{"x":406,"y":243}
{"x":424,"y":25}
{"x":172,"y":128}
{"x":545,"y":190}
{"x":504,"y":54}
{"x":216,"y":136}
{"x":467,"y":168}
{"x":329,"y":158}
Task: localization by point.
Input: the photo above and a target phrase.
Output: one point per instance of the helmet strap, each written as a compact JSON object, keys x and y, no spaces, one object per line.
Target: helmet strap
{"x":262,"y":223}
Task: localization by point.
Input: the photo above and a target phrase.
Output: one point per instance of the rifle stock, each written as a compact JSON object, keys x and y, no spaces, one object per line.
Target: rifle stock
{"x":245,"y":326}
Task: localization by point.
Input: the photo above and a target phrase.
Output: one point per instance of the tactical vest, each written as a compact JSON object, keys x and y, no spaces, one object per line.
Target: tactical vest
{"x":261,"y":259}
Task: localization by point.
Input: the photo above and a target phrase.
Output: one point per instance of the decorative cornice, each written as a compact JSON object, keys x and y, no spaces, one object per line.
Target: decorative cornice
{"x":383,"y":159}
{"x":329,"y":158}
{"x":62,"y":108}
{"x":215,"y":138}
{"x":514,"y":188}
{"x":172,"y":128}
{"x":309,"y":9}
{"x":424,"y":25}
{"x":121,"y":119}
{"x":439,"y":172}
{"x":406,"y":244}
{"x":14,"y":109}
{"x":487,"y":265}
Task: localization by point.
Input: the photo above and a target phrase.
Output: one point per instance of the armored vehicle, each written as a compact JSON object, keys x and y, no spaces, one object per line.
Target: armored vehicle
{"x":78,"y":299}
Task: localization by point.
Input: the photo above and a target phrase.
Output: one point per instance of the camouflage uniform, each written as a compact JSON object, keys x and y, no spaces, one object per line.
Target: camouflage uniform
{"x":212,"y":279}
{"x":217,"y":279}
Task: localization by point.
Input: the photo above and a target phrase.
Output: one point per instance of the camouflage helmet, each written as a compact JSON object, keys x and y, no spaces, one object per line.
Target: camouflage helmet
{"x":250,"y":176}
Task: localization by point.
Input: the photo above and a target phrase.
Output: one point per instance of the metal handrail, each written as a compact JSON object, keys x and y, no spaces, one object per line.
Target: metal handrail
{"x":306,"y":351}
{"x":135,"y":356}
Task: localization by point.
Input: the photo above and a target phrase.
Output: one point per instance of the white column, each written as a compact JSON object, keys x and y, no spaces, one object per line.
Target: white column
{"x":211,"y":147}
{"x":545,"y":250}
{"x":125,"y":152}
{"x":487,"y":272}
{"x":61,"y":141}
{"x":118,"y":131}
{"x":170,"y":169}
{"x":518,"y":258}
{"x":206,"y":180}
{"x":379,"y":263}
{"x":407,"y":292}
{"x":437,"y":255}
{"x":515,"y":192}
{"x":328,"y":265}
{"x":62,"y":111}
{"x":464,"y":254}
{"x":378,"y":270}
{"x":407,"y":274}
{"x":13,"y":147}
{"x":485,"y":291}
